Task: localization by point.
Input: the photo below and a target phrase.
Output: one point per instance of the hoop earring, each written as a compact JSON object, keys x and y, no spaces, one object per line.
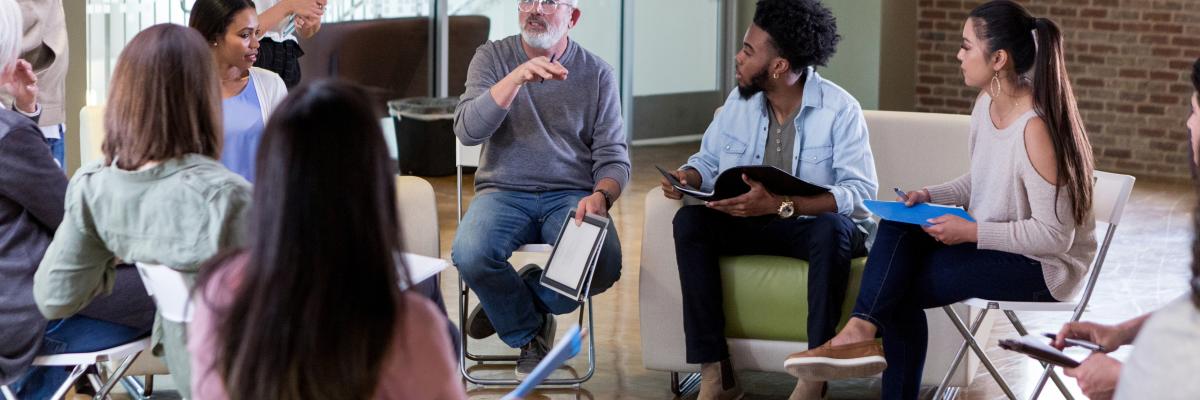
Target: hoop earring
{"x":774,"y":76}
{"x":996,"y":84}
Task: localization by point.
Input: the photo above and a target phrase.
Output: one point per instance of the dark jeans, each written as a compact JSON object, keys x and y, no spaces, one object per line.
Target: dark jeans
{"x":827,"y":242}
{"x":280,"y":58}
{"x":908,"y":271}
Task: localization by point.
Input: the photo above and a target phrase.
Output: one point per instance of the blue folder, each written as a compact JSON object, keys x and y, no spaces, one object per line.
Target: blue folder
{"x":919,"y":214}
{"x":566,"y":348}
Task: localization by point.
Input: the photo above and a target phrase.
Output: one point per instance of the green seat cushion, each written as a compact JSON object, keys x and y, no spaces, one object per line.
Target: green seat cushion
{"x":766,"y":297}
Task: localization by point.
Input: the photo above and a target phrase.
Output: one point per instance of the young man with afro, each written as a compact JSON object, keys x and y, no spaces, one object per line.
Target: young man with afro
{"x":785,"y":115}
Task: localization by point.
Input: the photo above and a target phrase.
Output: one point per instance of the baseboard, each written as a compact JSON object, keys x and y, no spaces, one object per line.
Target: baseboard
{"x":667,"y":140}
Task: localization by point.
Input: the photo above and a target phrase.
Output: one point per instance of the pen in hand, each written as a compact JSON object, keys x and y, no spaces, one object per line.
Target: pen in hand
{"x":903,"y":196}
{"x":1076,"y":342}
{"x":551,"y":62}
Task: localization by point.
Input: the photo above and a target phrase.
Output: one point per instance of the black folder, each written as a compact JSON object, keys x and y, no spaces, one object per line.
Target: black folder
{"x":730,"y":184}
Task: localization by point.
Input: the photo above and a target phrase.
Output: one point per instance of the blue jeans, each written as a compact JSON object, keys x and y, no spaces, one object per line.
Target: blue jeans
{"x":496,"y":224}
{"x":908,"y":271}
{"x":58,"y":149}
{"x":71,"y":335}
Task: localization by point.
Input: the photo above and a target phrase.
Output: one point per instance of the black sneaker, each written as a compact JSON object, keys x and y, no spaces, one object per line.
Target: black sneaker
{"x":478,"y":324}
{"x":533,"y":352}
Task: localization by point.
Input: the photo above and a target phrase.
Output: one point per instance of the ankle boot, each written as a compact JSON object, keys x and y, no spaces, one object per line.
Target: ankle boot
{"x":717,"y":382}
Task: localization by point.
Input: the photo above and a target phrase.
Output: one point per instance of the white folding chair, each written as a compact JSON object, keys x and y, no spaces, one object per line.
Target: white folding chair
{"x":1110,"y":193}
{"x":123,"y":354}
{"x":468,"y":156}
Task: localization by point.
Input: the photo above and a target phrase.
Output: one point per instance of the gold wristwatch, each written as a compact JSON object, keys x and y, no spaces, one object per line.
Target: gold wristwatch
{"x":787,"y":208}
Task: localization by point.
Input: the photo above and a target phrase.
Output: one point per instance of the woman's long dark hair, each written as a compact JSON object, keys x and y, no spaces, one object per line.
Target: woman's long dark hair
{"x":318,"y":299}
{"x":1036,"y":44}
{"x":212,"y":17}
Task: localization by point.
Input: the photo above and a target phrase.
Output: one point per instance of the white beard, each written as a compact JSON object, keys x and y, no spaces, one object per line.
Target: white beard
{"x":544,"y":40}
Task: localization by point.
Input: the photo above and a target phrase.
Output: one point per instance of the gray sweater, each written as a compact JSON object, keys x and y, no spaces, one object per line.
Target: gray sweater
{"x":31,"y":207}
{"x":556,"y":135}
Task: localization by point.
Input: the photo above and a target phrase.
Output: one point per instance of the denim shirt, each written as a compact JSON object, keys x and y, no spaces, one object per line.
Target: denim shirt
{"x":831,"y":149}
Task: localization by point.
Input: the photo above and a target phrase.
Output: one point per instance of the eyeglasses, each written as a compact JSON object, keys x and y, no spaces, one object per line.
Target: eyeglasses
{"x":543,"y":6}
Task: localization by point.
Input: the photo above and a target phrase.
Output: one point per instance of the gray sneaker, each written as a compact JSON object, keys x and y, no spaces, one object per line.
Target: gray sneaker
{"x":478,"y":324}
{"x":533,"y":352}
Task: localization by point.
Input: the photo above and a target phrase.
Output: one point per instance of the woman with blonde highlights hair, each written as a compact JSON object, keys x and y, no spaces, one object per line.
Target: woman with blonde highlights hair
{"x":159,"y":196}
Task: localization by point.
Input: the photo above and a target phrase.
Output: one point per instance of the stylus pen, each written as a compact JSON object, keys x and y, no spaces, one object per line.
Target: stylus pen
{"x":1080,"y":343}
{"x":552,"y":62}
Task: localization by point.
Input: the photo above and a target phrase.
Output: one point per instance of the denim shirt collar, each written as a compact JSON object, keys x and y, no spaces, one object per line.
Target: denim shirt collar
{"x":812,"y":94}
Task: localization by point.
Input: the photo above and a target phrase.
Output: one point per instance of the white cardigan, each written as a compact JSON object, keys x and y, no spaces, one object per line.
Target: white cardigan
{"x":271,"y":90}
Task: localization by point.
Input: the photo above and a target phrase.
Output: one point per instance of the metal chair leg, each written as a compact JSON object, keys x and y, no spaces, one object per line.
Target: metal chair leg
{"x":983,"y":358}
{"x":102,"y":392}
{"x":71,"y":378}
{"x":1048,"y":370}
{"x":680,"y":387}
{"x":961,"y":354}
{"x":464,"y":302}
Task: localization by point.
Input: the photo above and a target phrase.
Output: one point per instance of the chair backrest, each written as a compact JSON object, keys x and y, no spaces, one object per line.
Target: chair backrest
{"x":466,"y":156}
{"x":914,"y":150}
{"x":91,"y":134}
{"x":417,"y":209}
{"x":170,"y":291}
{"x":1109,"y":195}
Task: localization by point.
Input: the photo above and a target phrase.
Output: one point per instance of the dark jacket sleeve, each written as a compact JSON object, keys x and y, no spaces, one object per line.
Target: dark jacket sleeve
{"x":30,"y":176}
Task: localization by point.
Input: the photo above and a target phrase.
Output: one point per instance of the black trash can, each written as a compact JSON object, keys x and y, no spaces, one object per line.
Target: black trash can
{"x":424,"y":135}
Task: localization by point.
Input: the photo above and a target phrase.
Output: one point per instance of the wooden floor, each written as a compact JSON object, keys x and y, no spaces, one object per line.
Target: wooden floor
{"x":1147,"y":266}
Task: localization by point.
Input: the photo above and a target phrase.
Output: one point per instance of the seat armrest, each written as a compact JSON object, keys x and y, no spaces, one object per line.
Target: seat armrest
{"x":660,"y":304}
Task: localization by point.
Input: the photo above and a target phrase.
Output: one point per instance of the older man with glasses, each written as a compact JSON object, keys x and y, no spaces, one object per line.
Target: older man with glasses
{"x":548,"y":115}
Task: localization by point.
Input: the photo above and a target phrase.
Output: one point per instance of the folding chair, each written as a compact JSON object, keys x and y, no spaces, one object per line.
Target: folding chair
{"x":468,"y":156}
{"x":1110,"y":193}
{"x":81,"y":361}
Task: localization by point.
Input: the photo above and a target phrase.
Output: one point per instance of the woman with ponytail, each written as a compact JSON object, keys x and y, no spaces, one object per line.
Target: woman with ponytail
{"x":1163,"y":363}
{"x":1029,"y":190}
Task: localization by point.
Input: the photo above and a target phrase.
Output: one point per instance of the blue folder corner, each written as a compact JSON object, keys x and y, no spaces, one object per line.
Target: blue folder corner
{"x":919,"y":214}
{"x":568,"y":346}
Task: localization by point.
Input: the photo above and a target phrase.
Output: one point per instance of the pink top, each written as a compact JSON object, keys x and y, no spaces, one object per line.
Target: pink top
{"x":420,"y":364}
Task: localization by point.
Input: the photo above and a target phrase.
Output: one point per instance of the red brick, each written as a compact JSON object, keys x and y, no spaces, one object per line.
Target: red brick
{"x":1102,"y":25}
{"x":1150,"y":110}
{"x":1132,"y":73}
{"x":1118,"y":153}
{"x":1168,"y":28}
{"x":1166,"y":99}
{"x":1166,"y":52}
{"x":1164,"y":76}
{"x":1156,"y":16}
{"x":1185,"y":41}
{"x":1154,"y":39}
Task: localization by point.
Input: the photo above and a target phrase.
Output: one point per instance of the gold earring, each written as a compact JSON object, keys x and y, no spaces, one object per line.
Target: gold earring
{"x":996,"y":84}
{"x":774,"y":76}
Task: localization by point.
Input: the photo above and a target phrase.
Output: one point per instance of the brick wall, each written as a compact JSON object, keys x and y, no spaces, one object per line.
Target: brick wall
{"x":1129,"y":62}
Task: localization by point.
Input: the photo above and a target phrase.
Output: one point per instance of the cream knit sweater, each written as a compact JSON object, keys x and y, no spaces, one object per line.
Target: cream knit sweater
{"x":1016,"y":208}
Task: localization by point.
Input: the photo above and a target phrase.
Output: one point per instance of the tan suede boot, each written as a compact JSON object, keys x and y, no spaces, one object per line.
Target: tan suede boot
{"x":717,"y":382}
{"x":808,"y":390}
